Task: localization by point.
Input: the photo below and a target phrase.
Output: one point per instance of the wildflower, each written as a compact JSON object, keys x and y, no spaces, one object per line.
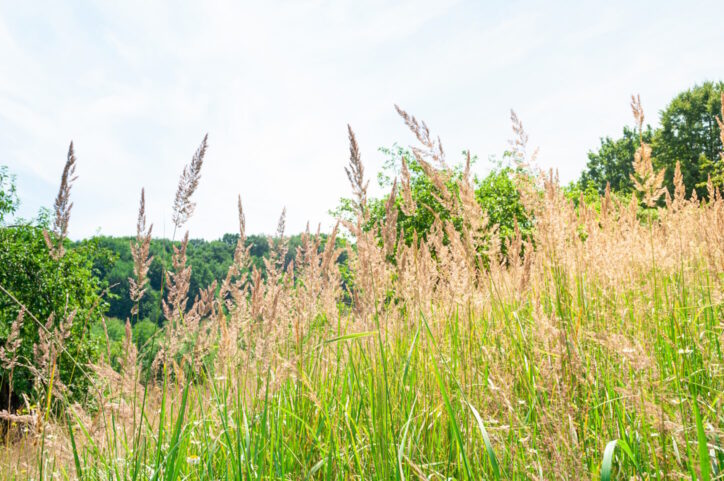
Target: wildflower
{"x":193,"y":460}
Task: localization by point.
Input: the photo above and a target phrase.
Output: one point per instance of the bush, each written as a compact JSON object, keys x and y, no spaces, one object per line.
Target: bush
{"x":496,"y":193}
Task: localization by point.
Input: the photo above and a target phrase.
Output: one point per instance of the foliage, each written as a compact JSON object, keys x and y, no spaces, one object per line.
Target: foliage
{"x":689,"y":134}
{"x":8,"y":195}
{"x":600,"y":332}
{"x":63,"y":291}
{"x":496,"y":193}
{"x":499,"y":198}
{"x":209,"y":260}
{"x":566,"y":367}
{"x":612,"y":162}
{"x":580,"y":191}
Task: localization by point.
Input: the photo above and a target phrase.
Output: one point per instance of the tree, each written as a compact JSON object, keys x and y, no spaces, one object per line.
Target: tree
{"x":8,"y":195}
{"x":690,"y":134}
{"x":612,"y":163}
{"x":47,"y":307}
{"x":63,"y":295}
{"x":498,"y":195}
{"x":209,"y":261}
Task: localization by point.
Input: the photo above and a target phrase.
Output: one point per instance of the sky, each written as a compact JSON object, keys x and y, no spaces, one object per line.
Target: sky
{"x":137,"y":84}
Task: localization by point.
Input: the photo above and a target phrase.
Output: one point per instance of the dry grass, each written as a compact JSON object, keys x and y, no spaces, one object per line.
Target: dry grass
{"x":600,"y":327}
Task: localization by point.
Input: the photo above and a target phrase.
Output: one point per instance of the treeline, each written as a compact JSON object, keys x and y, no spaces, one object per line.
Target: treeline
{"x":209,"y":261}
{"x":688,"y":133}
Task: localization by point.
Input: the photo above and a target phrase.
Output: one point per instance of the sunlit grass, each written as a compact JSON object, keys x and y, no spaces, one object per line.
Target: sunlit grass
{"x":433,"y":400}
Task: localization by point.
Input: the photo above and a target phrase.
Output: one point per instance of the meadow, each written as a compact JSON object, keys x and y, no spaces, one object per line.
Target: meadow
{"x":589,"y":347}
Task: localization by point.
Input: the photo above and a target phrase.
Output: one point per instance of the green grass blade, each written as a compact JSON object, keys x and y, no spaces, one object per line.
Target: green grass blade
{"x":488,"y":444}
{"x":315,"y":468}
{"x":347,"y":337}
{"x":403,"y":442}
{"x":704,"y":463}
{"x":76,"y":459}
{"x":449,"y":409}
{"x":607,"y":464}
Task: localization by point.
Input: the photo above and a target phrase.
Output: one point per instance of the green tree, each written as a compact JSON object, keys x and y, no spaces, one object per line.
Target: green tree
{"x":61,"y":293}
{"x":613,"y":162}
{"x":209,"y":261}
{"x":8,"y":195}
{"x":689,"y":133}
{"x":499,"y":197}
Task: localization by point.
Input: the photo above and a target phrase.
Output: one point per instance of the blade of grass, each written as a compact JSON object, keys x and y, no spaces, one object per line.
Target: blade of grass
{"x":607,"y":464}
{"x":448,"y":406}
{"x":76,"y":459}
{"x":704,"y":463}
{"x":486,"y":440}
{"x":348,"y":337}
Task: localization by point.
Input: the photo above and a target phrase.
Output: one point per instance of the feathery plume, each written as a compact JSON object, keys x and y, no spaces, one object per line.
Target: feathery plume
{"x":422,"y":132}
{"x":279,"y":244}
{"x":9,"y":352}
{"x":241,"y":252}
{"x":241,"y":260}
{"x":638,"y":112}
{"x":141,"y":259}
{"x":646,"y":180}
{"x":679,"y":187}
{"x":183,"y":208}
{"x":356,"y":172}
{"x":711,"y":190}
{"x":62,"y":207}
{"x":519,"y":142}
{"x":408,"y":205}
{"x":439,"y":177}
{"x":281,"y":224}
{"x":178,"y":283}
{"x":389,"y":229}
{"x":242,"y":221}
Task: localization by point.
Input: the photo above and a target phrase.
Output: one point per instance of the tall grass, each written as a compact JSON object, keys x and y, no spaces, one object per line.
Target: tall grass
{"x":592,"y":350}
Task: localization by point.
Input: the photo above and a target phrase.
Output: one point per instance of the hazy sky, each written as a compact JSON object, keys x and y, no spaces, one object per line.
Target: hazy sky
{"x":136,"y":84}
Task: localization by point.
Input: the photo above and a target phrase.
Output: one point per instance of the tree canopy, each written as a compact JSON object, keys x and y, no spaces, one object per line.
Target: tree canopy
{"x":612,"y":163}
{"x":60,"y":299}
{"x":688,"y":133}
